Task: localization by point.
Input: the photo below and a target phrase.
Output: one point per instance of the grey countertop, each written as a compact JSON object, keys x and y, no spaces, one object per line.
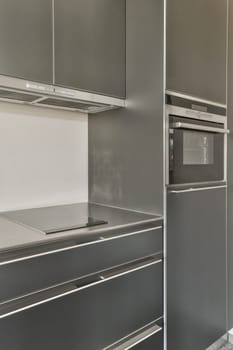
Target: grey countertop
{"x":24,"y":228}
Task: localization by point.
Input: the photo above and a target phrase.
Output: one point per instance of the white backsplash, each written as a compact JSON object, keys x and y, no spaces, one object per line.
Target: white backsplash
{"x":43,"y":155}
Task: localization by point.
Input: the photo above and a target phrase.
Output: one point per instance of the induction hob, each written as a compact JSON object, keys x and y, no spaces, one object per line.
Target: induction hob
{"x":88,"y":222}
{"x":56,"y":219}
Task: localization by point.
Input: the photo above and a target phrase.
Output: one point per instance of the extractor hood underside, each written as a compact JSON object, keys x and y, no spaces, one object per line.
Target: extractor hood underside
{"x":26,"y":92}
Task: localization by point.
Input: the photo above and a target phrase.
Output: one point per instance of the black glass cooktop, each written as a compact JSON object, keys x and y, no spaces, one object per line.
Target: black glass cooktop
{"x":89,"y":223}
{"x":57,"y":219}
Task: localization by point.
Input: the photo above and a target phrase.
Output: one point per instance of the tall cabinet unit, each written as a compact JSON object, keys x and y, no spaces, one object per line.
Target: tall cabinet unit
{"x":196,"y":48}
{"x":90,"y":45}
{"x":196,"y":250}
{"x":230,"y":168}
{"x":26,"y":39}
{"x":126,"y":146}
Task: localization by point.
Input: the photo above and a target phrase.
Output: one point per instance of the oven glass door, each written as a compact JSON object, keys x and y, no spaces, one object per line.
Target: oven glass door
{"x":195,"y":156}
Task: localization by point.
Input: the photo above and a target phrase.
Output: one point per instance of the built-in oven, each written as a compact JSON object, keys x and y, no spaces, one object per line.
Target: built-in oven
{"x":196,"y":147}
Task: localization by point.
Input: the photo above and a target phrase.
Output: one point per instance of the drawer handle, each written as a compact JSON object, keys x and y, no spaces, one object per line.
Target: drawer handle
{"x":195,"y":189}
{"x":21,"y":304}
{"x":135,"y":338}
{"x":188,"y":126}
{"x":100,"y":240}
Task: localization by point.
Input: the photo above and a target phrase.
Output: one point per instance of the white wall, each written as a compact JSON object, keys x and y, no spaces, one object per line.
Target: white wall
{"x":43,"y":157}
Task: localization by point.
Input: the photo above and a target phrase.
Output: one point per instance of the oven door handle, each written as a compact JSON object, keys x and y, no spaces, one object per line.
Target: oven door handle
{"x":195,"y":189}
{"x":181,"y":125}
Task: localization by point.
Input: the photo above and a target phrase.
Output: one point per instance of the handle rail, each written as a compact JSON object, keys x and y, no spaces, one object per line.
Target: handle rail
{"x":195,"y":189}
{"x":137,"y":337}
{"x":35,"y":299}
{"x":98,"y":240}
{"x":189,"y":126}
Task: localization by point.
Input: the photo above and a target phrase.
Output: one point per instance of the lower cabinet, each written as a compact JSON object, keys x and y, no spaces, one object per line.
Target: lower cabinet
{"x":196,"y":268}
{"x":44,"y":271}
{"x":87,"y":314}
{"x":153,"y":343}
{"x":148,"y":337}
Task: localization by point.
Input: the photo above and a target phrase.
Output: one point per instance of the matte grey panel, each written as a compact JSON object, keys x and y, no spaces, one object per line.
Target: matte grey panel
{"x":90,"y":45}
{"x":89,"y":319}
{"x":196,"y":48}
{"x":153,"y":343}
{"x":196,"y":269}
{"x":26,"y":39}
{"x":23,"y":277}
{"x":230,"y":167}
{"x":126,"y":146}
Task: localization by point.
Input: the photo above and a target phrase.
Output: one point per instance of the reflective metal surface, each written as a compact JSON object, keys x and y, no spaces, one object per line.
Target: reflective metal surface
{"x":45,"y":95}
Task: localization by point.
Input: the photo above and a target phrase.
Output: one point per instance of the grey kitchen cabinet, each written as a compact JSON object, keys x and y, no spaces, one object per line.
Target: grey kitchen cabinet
{"x":146,"y":338}
{"x":86,"y":316}
{"x":196,"y":48}
{"x":26,"y":39}
{"x":90,"y":40}
{"x":196,"y":268}
{"x":20,"y":273}
{"x":126,"y":145}
{"x":153,"y":343}
{"x":230,"y":169}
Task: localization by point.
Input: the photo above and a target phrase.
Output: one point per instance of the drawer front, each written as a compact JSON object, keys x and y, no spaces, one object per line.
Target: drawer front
{"x":26,"y":276}
{"x":155,"y":342}
{"x":148,"y":337}
{"x":90,"y":318}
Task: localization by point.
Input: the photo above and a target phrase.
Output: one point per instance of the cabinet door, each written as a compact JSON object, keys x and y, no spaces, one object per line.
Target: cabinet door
{"x":90,"y":45}
{"x":196,"y":241}
{"x":230,"y":168}
{"x":26,"y":39}
{"x":90,"y":318}
{"x":196,"y":48}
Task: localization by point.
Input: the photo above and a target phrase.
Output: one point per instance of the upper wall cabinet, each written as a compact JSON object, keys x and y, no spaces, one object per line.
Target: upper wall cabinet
{"x":90,"y":40}
{"x":196,"y":48}
{"x":26,"y":39}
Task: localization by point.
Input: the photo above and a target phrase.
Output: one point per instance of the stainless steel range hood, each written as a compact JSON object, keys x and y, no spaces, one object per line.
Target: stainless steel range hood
{"x":43,"y":95}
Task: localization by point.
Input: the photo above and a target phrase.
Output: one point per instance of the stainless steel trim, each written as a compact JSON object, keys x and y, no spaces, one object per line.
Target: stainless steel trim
{"x":154,"y":219}
{"x":100,"y":240}
{"x":181,"y":125}
{"x":35,"y":87}
{"x":130,"y":335}
{"x":21,"y":86}
{"x":135,"y":338}
{"x":165,"y":176}
{"x":13,"y":101}
{"x":130,"y":270}
{"x":53,"y":40}
{"x":191,"y":114}
{"x":194,"y":98}
{"x":87,"y":96}
{"x":34,"y":103}
{"x":226,"y":176}
{"x":193,"y":189}
{"x":101,"y":280}
{"x":39,"y":99}
{"x":197,"y":184}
